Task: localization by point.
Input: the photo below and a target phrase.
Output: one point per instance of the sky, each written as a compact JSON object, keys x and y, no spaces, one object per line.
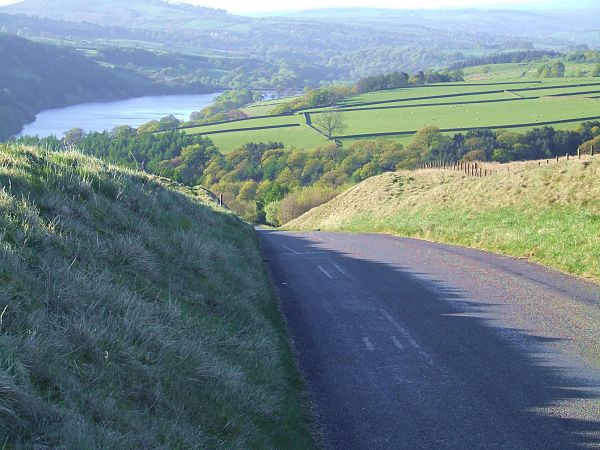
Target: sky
{"x":261,"y":6}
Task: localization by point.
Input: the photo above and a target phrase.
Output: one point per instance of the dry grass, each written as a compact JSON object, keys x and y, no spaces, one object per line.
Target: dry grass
{"x":133,"y":315}
{"x":548,"y":213}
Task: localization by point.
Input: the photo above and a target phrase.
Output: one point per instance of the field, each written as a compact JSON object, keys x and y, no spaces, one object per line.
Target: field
{"x":301,"y":137}
{"x":521,"y":71}
{"x":548,"y":213}
{"x":399,"y":113}
{"x":134,"y":315}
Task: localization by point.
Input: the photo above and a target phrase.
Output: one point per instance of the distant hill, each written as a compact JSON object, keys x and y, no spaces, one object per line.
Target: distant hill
{"x":36,"y":76}
{"x":309,"y":47}
{"x":132,"y":13}
{"x":502,"y":20}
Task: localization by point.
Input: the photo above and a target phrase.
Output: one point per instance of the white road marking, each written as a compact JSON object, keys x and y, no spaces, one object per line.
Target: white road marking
{"x":325,"y":272}
{"x":408,"y":337}
{"x":339,"y":269}
{"x":397,"y":343}
{"x":368,"y":344}
{"x":290,"y":249}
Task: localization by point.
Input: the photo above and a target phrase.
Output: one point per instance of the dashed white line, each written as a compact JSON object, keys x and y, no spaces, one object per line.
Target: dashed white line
{"x":290,"y":249}
{"x":408,"y":337}
{"x":325,"y":272}
{"x":339,"y":269}
{"x":397,"y":343}
{"x":368,"y":344}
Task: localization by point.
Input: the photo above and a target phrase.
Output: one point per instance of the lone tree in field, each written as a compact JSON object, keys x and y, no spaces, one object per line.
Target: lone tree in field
{"x":329,"y":122}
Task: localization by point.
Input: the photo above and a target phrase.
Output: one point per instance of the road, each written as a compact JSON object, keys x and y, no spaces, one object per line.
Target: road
{"x":406,"y":344}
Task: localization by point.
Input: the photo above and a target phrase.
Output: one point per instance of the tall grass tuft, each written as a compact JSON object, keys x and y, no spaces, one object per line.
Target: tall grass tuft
{"x":133,"y":315}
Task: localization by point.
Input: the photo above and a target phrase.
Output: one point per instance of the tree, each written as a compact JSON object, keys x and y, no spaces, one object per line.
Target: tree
{"x":329,"y":122}
{"x":169,"y":122}
{"x":248,"y":191}
{"x":74,"y":136}
{"x":558,"y":70}
{"x":544,"y":71}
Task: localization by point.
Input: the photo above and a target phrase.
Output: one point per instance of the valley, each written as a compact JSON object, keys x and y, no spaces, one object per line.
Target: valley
{"x":225,"y":226}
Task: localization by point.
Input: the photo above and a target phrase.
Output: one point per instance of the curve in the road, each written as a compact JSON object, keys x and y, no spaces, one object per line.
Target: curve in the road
{"x":407,"y":344}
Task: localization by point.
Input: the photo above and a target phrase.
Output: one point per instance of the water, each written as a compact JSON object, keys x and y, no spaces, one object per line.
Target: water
{"x":100,"y":116}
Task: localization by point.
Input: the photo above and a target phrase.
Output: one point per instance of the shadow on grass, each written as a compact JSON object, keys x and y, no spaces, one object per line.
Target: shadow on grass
{"x":396,"y":361}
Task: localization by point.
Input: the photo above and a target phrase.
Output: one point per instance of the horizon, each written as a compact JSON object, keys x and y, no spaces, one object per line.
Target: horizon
{"x":274,"y":7}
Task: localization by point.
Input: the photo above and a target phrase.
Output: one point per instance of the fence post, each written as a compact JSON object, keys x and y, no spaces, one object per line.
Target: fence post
{"x":556,"y":158}
{"x":592,"y":149}
{"x":220,"y":199}
{"x":578,"y":152}
{"x":567,"y":156}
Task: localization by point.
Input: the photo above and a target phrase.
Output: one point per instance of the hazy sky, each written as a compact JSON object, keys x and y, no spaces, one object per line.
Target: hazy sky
{"x":278,"y":5}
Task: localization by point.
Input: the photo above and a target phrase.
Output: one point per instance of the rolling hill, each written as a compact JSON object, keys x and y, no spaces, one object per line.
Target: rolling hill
{"x":134,"y":315}
{"x":520,"y":104}
{"x":132,"y":14}
{"x":548,"y":213}
{"x":306,"y":48}
{"x":38,"y":76}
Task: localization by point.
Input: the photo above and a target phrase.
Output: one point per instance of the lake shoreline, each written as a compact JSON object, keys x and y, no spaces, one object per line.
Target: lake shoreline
{"x":81,"y":115}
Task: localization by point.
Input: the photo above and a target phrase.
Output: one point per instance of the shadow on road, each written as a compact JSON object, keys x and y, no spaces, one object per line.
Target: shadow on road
{"x":397,"y":361}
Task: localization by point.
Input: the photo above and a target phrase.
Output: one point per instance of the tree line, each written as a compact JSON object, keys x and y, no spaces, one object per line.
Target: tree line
{"x":266,"y":182}
{"x":505,"y":58}
{"x":332,"y":95}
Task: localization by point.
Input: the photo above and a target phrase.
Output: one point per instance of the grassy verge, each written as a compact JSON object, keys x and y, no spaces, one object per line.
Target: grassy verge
{"x":549,"y":214}
{"x":133,"y":315}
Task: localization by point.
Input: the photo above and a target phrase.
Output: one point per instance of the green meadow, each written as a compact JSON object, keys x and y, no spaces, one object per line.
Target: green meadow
{"x":519,"y":104}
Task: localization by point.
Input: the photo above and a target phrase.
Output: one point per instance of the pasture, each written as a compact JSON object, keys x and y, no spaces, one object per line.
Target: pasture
{"x":398,"y":113}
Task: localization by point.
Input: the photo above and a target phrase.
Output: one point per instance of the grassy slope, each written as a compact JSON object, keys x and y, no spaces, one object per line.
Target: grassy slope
{"x":133,"y":316}
{"x":522,"y":71}
{"x":473,"y":115}
{"x":550,"y":214}
{"x":397,"y":116}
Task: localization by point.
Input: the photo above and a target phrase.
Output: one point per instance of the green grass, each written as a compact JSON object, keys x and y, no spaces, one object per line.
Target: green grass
{"x":549,"y":214}
{"x":402,"y":115}
{"x":404,"y":103}
{"x":134,"y":315}
{"x":431,"y":90}
{"x":490,"y":115}
{"x":270,"y":121}
{"x":520,"y":71}
{"x":299,"y":137}
{"x":265,"y":107}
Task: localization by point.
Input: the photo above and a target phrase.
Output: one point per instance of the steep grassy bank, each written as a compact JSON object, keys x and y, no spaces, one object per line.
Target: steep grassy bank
{"x":132,"y":315}
{"x":550,"y":214}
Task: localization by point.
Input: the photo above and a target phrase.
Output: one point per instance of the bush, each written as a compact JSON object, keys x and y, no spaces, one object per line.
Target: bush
{"x":299,"y":202}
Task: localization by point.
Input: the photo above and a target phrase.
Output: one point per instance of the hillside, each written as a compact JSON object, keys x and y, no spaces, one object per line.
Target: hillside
{"x":549,"y":214}
{"x":133,"y":14}
{"x":519,"y":104}
{"x":133,"y":315}
{"x":295,"y":50}
{"x":36,"y":76}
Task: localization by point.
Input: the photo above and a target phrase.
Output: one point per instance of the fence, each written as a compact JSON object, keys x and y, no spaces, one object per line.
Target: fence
{"x":479,"y":169}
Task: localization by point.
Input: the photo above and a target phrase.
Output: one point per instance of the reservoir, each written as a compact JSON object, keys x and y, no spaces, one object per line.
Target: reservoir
{"x":100,"y":116}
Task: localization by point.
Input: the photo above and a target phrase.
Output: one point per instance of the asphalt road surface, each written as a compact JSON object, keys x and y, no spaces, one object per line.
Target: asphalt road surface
{"x":406,"y":344}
